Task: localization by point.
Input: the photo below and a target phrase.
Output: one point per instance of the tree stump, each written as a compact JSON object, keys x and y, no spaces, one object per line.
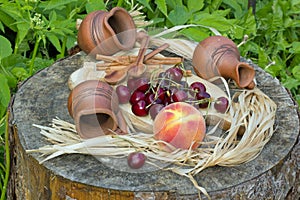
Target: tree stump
{"x":274,"y":174}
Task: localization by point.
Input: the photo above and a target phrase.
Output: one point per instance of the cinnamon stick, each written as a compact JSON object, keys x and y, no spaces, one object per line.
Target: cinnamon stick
{"x":164,"y":60}
{"x":152,"y":61}
{"x":111,"y":68}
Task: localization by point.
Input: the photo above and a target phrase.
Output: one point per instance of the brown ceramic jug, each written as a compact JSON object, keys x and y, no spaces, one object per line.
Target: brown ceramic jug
{"x":219,"y":56}
{"x":94,"y":107}
{"x":106,"y":33}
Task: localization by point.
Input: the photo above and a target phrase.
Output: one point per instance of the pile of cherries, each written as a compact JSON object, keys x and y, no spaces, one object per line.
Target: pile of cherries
{"x":150,"y":95}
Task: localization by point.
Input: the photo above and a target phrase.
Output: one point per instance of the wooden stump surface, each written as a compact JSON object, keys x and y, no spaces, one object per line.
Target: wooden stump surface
{"x":274,"y":174}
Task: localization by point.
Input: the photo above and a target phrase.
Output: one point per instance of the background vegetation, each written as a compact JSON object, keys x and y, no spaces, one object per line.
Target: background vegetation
{"x":34,"y":34}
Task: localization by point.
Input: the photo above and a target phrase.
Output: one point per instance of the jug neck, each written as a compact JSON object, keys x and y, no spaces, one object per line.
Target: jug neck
{"x":242,"y":73}
{"x":119,"y":25}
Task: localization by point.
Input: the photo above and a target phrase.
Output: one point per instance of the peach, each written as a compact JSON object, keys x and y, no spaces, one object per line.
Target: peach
{"x":181,"y":125}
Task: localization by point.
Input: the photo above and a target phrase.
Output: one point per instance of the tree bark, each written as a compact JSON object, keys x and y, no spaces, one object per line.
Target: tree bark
{"x":274,"y":174}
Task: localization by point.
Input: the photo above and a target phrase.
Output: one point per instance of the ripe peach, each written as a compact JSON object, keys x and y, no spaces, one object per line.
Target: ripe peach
{"x":180,"y":124}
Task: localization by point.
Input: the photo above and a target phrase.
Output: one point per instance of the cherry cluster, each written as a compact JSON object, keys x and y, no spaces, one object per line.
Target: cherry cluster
{"x":150,"y":95}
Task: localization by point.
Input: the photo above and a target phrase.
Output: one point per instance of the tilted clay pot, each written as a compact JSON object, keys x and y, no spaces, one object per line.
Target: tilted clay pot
{"x":94,"y":107}
{"x":106,"y":33}
{"x":219,"y":56}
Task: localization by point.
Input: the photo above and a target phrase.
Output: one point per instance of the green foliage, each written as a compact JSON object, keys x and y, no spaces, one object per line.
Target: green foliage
{"x":276,"y":46}
{"x":230,"y":18}
{"x":47,"y":27}
{"x":5,"y":51}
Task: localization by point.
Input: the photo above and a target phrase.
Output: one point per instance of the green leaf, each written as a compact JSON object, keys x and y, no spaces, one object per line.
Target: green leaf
{"x":213,"y":20}
{"x":238,"y":10}
{"x":171,"y":4}
{"x":63,"y":27}
{"x":161,"y":5}
{"x":295,"y":47}
{"x":295,"y":2}
{"x":157,"y":20}
{"x":215,"y":4}
{"x":7,"y":20}
{"x":146,"y":4}
{"x":20,"y":73}
{"x":278,"y":68}
{"x":58,"y":4}
{"x":195,"y":5}
{"x":14,"y":60}
{"x":297,"y":97}
{"x":291,"y":83}
{"x":54,"y":40}
{"x":262,"y":57}
{"x":52,"y":16}
{"x":40,"y":63}
{"x":296,"y":72}
{"x":274,"y":70}
{"x":221,"y":13}
{"x":2,"y":27}
{"x":262,"y":8}
{"x":196,"y":33}
{"x":237,"y":32}
{"x":58,"y":31}
{"x":4,"y":92}
{"x":71,"y":41}
{"x":5,"y":47}
{"x":11,"y":81}
{"x":179,"y":15}
{"x":249,"y":23}
{"x":93,"y":5}
{"x":23,"y":28}
{"x":27,"y":8}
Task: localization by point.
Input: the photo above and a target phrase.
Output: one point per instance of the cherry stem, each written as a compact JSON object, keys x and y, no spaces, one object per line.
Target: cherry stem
{"x":156,"y":51}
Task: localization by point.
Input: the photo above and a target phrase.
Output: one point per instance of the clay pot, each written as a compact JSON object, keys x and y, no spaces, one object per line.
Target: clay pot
{"x":219,"y":56}
{"x":94,"y":107}
{"x":106,"y":33}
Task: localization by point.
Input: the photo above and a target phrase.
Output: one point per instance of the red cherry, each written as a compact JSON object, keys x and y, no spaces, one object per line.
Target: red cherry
{"x":180,"y":95}
{"x":154,"y":110}
{"x":140,"y":108}
{"x":150,"y":99}
{"x":174,"y":74}
{"x":197,"y":87}
{"x":142,"y":84}
{"x":123,"y":94}
{"x":178,"y":70}
{"x":221,"y":104}
{"x":160,"y":93}
{"x":136,"y":96}
{"x":173,"y":89}
{"x":203,"y":96}
{"x":131,"y":84}
{"x":136,"y":160}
